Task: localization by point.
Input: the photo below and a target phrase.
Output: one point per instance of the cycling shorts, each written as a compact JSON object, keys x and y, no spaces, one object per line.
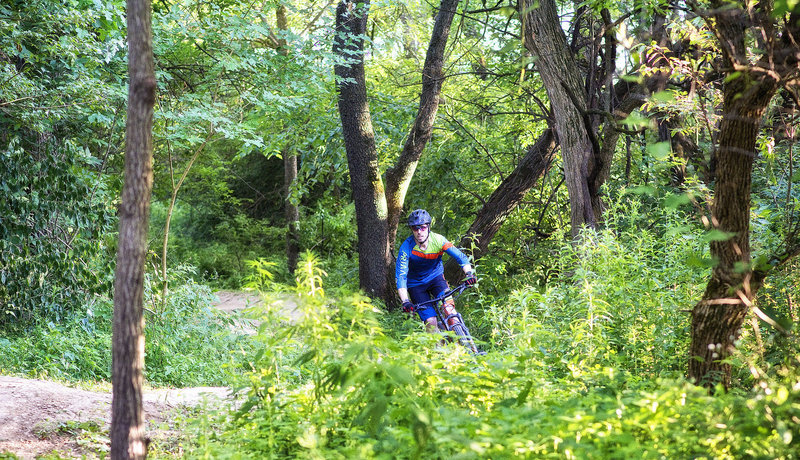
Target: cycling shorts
{"x":430,"y":290}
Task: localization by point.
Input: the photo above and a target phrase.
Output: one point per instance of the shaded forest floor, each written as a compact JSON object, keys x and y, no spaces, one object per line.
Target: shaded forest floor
{"x":41,"y":417}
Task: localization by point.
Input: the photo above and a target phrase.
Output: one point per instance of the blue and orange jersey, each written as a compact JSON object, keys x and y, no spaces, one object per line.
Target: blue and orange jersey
{"x":416,"y":267}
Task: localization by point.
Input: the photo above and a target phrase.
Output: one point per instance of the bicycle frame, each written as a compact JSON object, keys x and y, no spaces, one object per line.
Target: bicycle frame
{"x":458,"y":327}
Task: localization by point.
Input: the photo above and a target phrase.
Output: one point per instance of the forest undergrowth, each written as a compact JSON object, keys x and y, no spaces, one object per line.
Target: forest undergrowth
{"x":589,"y":366}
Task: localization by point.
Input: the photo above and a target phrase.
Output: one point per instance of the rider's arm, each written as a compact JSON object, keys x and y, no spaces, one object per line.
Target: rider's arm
{"x":403,"y":293}
{"x":460,"y":257}
{"x":401,"y":270}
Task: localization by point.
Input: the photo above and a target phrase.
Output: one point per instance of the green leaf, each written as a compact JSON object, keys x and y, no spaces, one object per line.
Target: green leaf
{"x":636,"y":121}
{"x":663,"y":97}
{"x":717,"y":235}
{"x":782,"y":7}
{"x":508,"y":11}
{"x":674,"y":201}
{"x":642,"y":190}
{"x":660,"y":150}
{"x":523,"y":395}
{"x":700,"y":262}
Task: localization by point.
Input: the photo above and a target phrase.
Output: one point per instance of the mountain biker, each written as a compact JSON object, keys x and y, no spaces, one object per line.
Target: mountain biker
{"x":419,"y":270}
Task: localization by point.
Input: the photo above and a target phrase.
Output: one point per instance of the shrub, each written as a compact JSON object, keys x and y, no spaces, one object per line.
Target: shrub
{"x":56,"y":215}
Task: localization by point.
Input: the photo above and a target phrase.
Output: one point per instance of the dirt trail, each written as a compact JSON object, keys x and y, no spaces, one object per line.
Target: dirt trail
{"x":33,"y":411}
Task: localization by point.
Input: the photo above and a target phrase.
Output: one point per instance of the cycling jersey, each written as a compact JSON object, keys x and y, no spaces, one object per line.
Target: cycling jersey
{"x":416,"y":266}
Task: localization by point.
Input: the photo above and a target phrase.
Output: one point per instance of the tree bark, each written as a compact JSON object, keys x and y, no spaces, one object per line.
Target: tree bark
{"x":507,"y":196}
{"x":718,"y":317}
{"x":399,"y":177}
{"x":359,"y":139}
{"x":543,"y":36}
{"x":291,"y":211}
{"x":127,"y":421}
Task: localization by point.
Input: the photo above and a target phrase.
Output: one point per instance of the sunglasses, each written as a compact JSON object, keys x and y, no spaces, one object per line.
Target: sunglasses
{"x":419,"y":227}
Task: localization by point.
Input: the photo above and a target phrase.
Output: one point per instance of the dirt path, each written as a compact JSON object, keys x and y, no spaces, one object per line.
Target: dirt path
{"x":36,"y":416}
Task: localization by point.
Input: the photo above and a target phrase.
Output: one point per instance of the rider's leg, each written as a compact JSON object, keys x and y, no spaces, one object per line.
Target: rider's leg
{"x":430,"y":325}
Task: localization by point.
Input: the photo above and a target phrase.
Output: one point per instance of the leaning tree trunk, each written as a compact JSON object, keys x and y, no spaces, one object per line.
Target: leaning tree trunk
{"x":543,"y":36}
{"x":399,"y":177}
{"x":503,"y":200}
{"x":509,"y":194}
{"x":127,"y":421}
{"x":359,"y":139}
{"x":378,"y":212}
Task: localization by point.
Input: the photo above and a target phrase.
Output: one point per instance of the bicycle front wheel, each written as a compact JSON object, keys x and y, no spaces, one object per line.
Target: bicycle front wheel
{"x":465,"y":339}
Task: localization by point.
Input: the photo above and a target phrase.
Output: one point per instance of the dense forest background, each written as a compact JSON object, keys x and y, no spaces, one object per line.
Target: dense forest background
{"x":623,"y":175}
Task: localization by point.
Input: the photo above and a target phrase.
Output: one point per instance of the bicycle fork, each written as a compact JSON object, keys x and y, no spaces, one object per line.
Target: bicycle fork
{"x":452,"y":321}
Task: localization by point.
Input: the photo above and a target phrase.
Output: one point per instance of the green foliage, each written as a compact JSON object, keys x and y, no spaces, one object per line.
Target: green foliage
{"x":76,"y":348}
{"x":54,"y":233}
{"x":336,"y":384}
{"x":188,"y":342}
{"x":61,"y":87}
{"x":329,"y":228}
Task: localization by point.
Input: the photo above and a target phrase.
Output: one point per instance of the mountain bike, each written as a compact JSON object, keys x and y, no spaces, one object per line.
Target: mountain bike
{"x":450,"y":320}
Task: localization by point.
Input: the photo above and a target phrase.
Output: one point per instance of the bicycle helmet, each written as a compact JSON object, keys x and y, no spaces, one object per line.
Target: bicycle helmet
{"x":419,"y":217}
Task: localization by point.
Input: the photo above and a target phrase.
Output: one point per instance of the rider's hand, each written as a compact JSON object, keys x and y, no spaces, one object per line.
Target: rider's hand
{"x":408,"y":307}
{"x":470,"y":279}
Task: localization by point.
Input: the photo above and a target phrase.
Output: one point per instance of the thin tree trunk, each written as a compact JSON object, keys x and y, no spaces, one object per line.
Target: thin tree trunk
{"x":127,"y":421}
{"x":289,"y":168}
{"x":170,"y":211}
{"x":378,"y":211}
{"x":292,"y":213}
{"x":399,"y":177}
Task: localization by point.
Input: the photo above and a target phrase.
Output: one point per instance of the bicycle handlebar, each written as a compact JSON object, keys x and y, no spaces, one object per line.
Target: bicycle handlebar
{"x":455,"y":291}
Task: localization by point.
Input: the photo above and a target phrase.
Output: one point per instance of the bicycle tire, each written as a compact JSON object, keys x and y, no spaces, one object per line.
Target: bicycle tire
{"x":464,"y":338}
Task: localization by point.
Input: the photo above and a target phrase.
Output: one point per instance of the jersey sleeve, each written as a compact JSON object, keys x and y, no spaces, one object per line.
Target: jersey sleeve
{"x":401,"y":267}
{"x":455,"y":253}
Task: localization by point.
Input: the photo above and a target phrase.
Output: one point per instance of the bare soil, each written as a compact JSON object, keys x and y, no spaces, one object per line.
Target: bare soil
{"x":40,"y":417}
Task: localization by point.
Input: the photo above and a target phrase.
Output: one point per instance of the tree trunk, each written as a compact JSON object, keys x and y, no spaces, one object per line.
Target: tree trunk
{"x":359,"y":139}
{"x":399,"y":177}
{"x":379,"y":212}
{"x":718,"y":317}
{"x":543,"y":36}
{"x":504,"y":200}
{"x":290,"y":209}
{"x":171,"y":210}
{"x":127,"y":421}
{"x":292,"y":213}
{"x":508,"y":195}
